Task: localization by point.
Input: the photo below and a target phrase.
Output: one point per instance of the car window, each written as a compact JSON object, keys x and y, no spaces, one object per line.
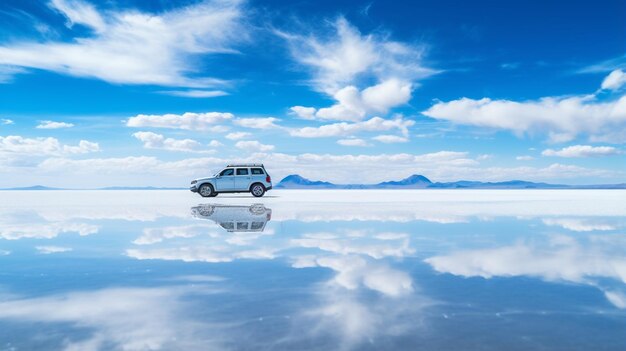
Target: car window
{"x":242,"y":171}
{"x":227,"y":225}
{"x":257,"y":171}
{"x":256,"y":225}
{"x":242,"y":225}
{"x":227,"y":172}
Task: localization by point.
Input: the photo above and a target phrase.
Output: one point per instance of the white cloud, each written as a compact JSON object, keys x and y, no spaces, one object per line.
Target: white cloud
{"x":257,"y":123}
{"x":615,"y":80}
{"x":133,"y":47}
{"x":388,"y":94}
{"x":46,"y":250}
{"x":237,"y":135}
{"x":343,"y":55}
{"x":130,"y":319}
{"x":388,"y":139}
{"x":524,"y":158}
{"x":303,"y":112}
{"x":253,"y":146}
{"x":579,"y":225}
{"x":157,"y":141}
{"x":53,"y":125}
{"x":354,"y":271}
{"x":156,"y":235}
{"x":17,"y":145}
{"x":214,"y":143}
{"x":190,"y":121}
{"x":583,"y":151}
{"x":617,"y":298}
{"x":343,"y":128}
{"x":79,"y":12}
{"x":5,"y":121}
{"x":562,"y":118}
{"x":354,"y":105}
{"x":349,"y":246}
{"x":49,"y":230}
{"x":563,"y":258}
{"x":199,"y":253}
{"x":352,"y":142}
{"x":7,"y":73}
{"x":195,"y":93}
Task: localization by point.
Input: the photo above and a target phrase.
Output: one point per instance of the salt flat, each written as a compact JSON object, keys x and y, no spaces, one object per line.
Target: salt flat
{"x":304,"y":269}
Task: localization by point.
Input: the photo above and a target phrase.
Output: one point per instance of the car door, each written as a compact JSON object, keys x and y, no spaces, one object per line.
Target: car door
{"x":242,"y":179}
{"x":226,"y":180}
{"x":257,"y":175}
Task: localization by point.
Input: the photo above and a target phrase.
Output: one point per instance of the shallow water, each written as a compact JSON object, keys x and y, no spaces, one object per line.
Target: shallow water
{"x":371,"y":269}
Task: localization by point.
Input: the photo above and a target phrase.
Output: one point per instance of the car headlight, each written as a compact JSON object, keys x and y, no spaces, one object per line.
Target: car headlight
{"x":194,"y":181}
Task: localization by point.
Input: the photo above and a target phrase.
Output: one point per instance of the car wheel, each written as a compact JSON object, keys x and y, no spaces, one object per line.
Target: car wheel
{"x":257,"y":209}
{"x":206,"y":210}
{"x":206,"y":190}
{"x":257,"y":190}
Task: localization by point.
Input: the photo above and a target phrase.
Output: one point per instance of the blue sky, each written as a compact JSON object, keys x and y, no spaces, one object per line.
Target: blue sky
{"x":159,"y":92}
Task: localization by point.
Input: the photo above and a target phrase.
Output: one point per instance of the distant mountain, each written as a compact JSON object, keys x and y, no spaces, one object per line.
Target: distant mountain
{"x":34,"y":187}
{"x":511,"y":184}
{"x":295,"y":181}
{"x":417,"y":181}
{"x":414,"y":181}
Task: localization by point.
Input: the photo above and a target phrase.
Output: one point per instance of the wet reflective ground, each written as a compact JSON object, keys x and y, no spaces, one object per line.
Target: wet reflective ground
{"x":320,"y":270}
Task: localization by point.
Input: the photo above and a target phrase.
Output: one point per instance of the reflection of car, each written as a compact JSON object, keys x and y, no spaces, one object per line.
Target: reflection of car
{"x":235,"y":218}
{"x":251,"y":178}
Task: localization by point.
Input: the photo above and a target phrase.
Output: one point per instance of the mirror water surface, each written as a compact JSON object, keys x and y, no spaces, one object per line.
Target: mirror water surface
{"x":322,"y":270}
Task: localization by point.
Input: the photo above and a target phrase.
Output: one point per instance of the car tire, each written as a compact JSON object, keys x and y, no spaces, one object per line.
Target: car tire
{"x":206,"y":211}
{"x":257,"y":209}
{"x":206,"y":190}
{"x":257,"y":190}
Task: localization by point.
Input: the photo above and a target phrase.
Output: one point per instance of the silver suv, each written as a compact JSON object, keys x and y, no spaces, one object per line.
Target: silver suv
{"x":242,"y":178}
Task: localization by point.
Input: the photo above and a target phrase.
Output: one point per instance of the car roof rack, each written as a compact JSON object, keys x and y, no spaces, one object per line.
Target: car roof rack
{"x":246,"y":165}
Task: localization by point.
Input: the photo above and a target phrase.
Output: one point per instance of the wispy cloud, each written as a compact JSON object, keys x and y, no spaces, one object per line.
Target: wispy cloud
{"x":337,"y":55}
{"x":345,"y":129}
{"x":237,"y":135}
{"x":121,"y":318}
{"x":253,"y":146}
{"x":190,"y":121}
{"x":257,"y":123}
{"x":524,"y":158}
{"x":157,"y":141}
{"x":583,"y":151}
{"x":340,"y":59}
{"x":352,"y":142}
{"x":46,"y":250}
{"x":615,"y":80}
{"x":199,"y":94}
{"x":388,"y":139}
{"x":53,"y":125}
{"x":133,"y":47}
{"x":18,"y":145}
